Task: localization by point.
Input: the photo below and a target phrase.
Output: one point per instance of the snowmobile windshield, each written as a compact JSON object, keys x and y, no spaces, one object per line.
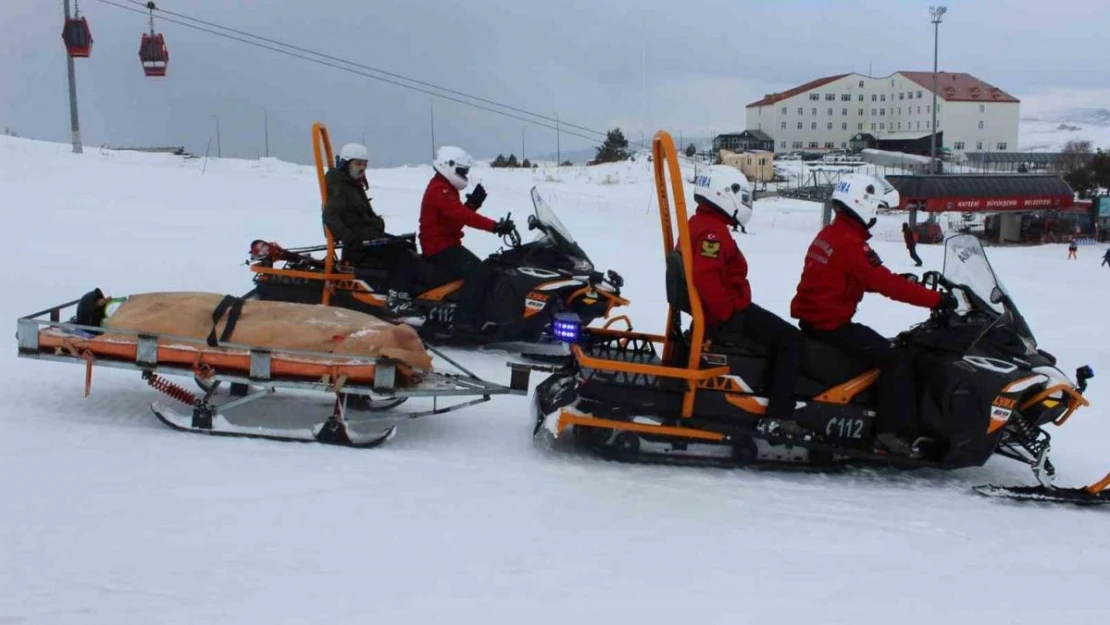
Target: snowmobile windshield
{"x":966,"y":264}
{"x":556,"y":233}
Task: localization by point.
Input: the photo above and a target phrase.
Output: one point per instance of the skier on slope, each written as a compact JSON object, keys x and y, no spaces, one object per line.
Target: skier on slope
{"x":839,"y":268}
{"x":910,"y":237}
{"x":442,"y":219}
{"x":352,"y":221}
{"x":721,"y":276}
{"x":1106,"y":257}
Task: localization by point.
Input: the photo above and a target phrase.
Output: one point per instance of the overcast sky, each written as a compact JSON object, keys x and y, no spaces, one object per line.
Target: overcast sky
{"x":580,"y":59}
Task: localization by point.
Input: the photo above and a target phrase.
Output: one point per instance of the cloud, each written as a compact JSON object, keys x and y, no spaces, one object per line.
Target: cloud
{"x":580,"y":59}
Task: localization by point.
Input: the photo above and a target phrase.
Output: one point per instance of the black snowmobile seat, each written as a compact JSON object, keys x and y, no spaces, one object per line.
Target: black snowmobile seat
{"x":820,"y":361}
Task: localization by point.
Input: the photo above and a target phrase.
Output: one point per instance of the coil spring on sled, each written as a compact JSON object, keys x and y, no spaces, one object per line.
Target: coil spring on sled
{"x":171,"y":389}
{"x":1023,"y":435}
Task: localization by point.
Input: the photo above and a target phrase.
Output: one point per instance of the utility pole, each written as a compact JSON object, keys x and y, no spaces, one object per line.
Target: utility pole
{"x":523,"y":132}
{"x":558,"y":144}
{"x":74,"y":124}
{"x":219,"y":148}
{"x":266,"y":123}
{"x":432,"y":116}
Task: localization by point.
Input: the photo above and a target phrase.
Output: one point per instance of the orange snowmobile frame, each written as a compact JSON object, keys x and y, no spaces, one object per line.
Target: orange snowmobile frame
{"x":334,"y":278}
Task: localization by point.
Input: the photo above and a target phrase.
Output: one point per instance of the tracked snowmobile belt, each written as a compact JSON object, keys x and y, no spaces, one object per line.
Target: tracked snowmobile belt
{"x":232,"y":306}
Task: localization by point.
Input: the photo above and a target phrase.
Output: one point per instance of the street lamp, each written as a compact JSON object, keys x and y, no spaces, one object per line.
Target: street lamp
{"x":935,"y":13}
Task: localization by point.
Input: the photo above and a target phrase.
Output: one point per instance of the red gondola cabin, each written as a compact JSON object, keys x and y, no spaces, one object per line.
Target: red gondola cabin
{"x":154,"y":54}
{"x":77,"y":37}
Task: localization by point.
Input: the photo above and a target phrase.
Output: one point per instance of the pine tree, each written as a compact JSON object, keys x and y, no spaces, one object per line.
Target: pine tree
{"x":512,"y":162}
{"x":499,"y":161}
{"x":615,"y":147}
{"x":691,"y":150}
{"x":527,"y":164}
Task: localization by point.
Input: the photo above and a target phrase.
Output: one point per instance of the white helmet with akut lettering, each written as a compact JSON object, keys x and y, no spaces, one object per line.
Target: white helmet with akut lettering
{"x":726,"y":189}
{"x":862,"y":196}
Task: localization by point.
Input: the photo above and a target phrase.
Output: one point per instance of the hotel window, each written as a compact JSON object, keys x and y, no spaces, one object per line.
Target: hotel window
{"x":800,"y":125}
{"x":813,"y":111}
{"x":861,"y":112}
{"x":980,"y":124}
{"x":784,"y":125}
{"x":796,"y":144}
{"x":982,"y":108}
{"x":830,"y":111}
{"x":1001,"y":145}
{"x":813,"y":125}
{"x":959,"y":145}
{"x":830,"y":145}
{"x":979,"y":145}
{"x":784,"y":110}
{"x":844,"y":126}
{"x":801,"y":111}
{"x":882,"y":126}
{"x":815,"y":96}
{"x":828,"y":126}
{"x":843,"y":111}
{"x":861,"y":97}
{"x":830,"y":97}
{"x":861,"y":84}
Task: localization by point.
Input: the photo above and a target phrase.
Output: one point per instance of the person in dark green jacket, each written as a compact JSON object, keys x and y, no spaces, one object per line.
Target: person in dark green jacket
{"x":347,"y":213}
{"x":353,"y":223}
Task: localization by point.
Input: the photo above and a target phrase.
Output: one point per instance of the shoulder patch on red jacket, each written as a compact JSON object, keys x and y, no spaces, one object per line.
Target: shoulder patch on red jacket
{"x":710,"y":248}
{"x":872,"y":257}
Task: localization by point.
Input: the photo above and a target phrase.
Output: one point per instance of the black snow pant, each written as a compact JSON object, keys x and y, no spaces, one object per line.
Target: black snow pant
{"x":913,"y":254}
{"x":895,"y":386}
{"x":1105,"y":260}
{"x":784,"y":343}
{"x":458,"y":262}
{"x":408,"y":272}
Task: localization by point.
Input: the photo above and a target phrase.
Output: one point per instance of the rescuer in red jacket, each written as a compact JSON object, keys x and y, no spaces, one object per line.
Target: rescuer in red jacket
{"x":721,"y":277}
{"x":442,"y":219}
{"x":839,"y":268}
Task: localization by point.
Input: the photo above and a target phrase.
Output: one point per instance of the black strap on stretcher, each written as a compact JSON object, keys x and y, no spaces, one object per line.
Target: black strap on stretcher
{"x":232,"y":306}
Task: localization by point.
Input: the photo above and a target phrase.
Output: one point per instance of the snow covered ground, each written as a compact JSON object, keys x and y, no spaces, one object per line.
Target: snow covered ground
{"x":109,"y":517}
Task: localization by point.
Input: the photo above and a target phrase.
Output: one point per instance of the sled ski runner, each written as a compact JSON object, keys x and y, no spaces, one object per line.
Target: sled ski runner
{"x":689,"y":396}
{"x":357,"y":382}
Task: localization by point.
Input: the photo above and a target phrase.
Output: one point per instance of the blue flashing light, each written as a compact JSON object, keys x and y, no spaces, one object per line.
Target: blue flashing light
{"x":567,"y":327}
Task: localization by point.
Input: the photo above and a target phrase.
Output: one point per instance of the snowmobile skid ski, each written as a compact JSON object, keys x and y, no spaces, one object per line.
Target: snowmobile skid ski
{"x":982,"y":387}
{"x":260,"y":372}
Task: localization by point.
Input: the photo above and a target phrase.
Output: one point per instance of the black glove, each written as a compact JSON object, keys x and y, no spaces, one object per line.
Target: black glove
{"x":475,"y":198}
{"x":504,"y":226}
{"x":947,"y":302}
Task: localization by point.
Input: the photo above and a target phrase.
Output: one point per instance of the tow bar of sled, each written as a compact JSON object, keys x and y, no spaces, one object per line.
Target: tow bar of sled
{"x":261,"y":370}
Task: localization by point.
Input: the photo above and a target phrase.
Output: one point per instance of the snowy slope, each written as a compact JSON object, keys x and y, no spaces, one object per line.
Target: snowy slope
{"x":109,"y":517}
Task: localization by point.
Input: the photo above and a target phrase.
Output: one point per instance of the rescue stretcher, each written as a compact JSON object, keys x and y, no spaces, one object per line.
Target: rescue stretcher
{"x":381,"y":383}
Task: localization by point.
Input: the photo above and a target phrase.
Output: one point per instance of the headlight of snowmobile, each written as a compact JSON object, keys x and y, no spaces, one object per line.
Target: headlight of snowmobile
{"x":566,"y":327}
{"x":582,"y":265}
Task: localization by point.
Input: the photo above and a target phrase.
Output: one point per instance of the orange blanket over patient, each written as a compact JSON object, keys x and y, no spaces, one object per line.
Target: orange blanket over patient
{"x":273,"y":325}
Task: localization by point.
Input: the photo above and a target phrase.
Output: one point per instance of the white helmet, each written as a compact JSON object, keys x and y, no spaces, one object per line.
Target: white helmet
{"x":453,"y":164}
{"x":727,"y":189}
{"x":862,"y":196}
{"x":353,"y":152}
